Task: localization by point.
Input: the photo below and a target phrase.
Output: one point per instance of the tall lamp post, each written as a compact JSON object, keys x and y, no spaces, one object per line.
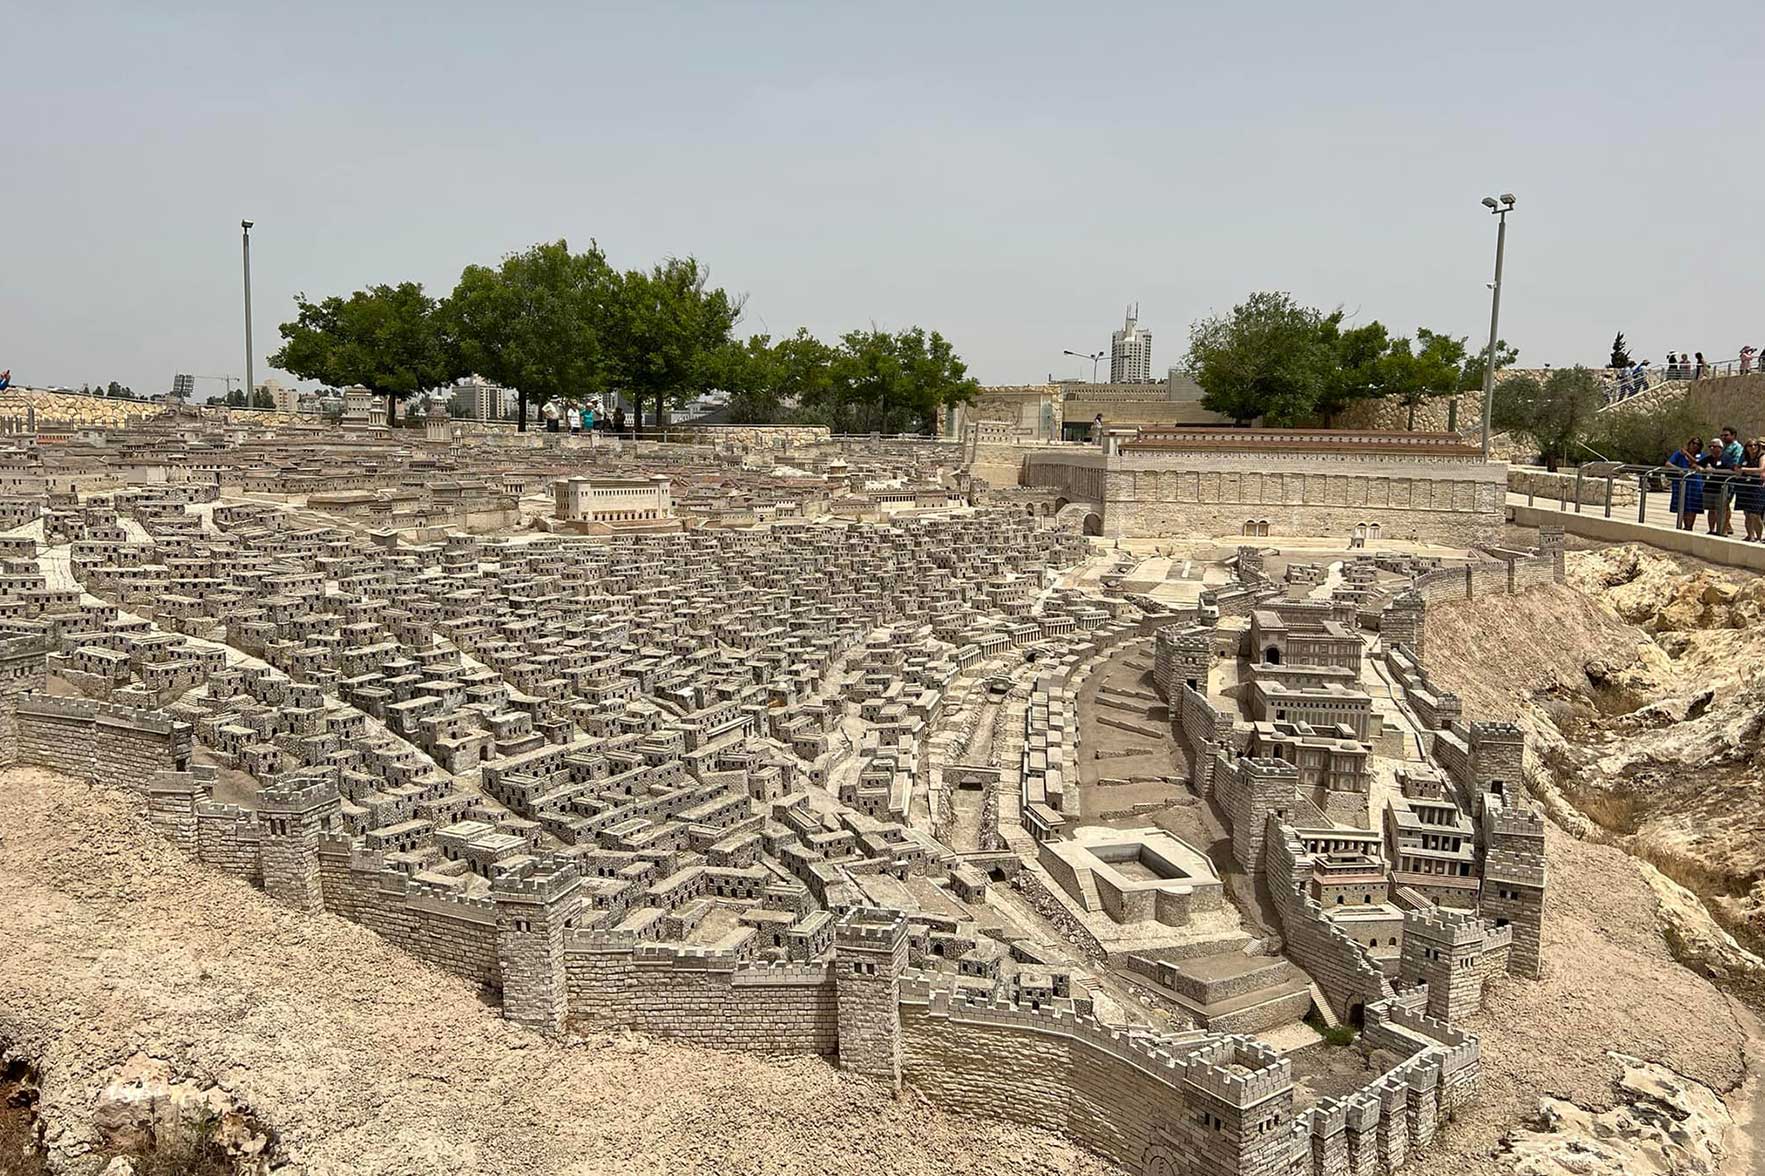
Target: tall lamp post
{"x":245,"y":236}
{"x":1499,"y":209}
{"x":1093,"y":357}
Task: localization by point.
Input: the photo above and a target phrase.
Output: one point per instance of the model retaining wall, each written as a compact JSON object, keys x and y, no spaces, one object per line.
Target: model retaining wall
{"x":708,"y":998}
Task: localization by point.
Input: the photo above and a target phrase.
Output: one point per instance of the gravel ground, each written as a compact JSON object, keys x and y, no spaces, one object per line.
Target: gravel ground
{"x":365,"y":1061}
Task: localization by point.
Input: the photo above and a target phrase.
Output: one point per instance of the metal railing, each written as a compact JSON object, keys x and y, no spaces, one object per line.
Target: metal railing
{"x":1716,"y":485}
{"x":1635,"y":382}
{"x":1739,"y":366}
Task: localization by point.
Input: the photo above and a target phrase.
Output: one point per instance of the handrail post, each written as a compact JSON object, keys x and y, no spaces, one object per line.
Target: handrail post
{"x":1642,"y":498}
{"x":1577,"y":489}
{"x":1609,"y":479}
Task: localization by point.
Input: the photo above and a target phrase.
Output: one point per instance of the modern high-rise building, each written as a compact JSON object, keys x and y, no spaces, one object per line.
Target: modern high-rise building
{"x":1130,"y":352}
{"x":478,"y":399}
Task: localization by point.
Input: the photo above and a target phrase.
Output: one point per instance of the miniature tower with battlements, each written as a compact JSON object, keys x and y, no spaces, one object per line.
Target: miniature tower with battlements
{"x":1238,"y":1096}
{"x":293,"y":816}
{"x":537,"y":900}
{"x":1402,"y":622}
{"x":870,"y":952}
{"x":1443,"y":949}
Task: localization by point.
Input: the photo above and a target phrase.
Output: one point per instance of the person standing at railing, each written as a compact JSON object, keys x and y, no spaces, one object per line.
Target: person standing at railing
{"x":1687,"y":502}
{"x":1725,"y":456}
{"x":1672,"y":365}
{"x":1750,"y":493}
{"x":1698,"y":371}
{"x":1746,"y":358}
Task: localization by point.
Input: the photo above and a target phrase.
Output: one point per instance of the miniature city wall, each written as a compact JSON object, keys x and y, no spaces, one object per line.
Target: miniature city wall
{"x":1196,"y":1103}
{"x":1482,"y":763}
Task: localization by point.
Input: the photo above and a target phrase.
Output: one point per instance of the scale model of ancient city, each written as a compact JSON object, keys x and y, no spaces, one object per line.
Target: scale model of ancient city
{"x":1095,"y":779}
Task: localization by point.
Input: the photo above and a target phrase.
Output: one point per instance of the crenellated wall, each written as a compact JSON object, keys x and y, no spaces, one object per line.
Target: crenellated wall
{"x":1344,"y":971}
{"x":703,"y":996}
{"x":114,"y":745}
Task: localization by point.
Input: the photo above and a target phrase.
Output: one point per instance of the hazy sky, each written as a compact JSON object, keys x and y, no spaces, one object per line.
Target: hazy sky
{"x":1009,"y":174}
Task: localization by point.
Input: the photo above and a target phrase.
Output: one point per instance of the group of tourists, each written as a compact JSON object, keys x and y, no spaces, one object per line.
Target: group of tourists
{"x":562,"y":415}
{"x":1721,"y":476}
{"x":1686,"y":367}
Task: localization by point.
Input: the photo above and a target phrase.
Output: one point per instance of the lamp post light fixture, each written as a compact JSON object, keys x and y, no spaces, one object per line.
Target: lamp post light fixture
{"x":245,"y":237}
{"x":1499,"y":209}
{"x":1094,"y":357}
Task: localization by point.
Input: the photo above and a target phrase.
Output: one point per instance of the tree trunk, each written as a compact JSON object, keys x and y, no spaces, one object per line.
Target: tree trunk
{"x":1411,"y":427}
{"x":391,"y":410}
{"x":520,"y":410}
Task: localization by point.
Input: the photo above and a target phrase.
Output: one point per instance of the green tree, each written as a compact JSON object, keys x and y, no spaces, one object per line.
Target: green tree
{"x":670,"y":336}
{"x":1621,"y":353}
{"x":1555,"y":414}
{"x":1646,"y":433}
{"x":1269,"y":358}
{"x":1433,"y":368}
{"x":537,"y":323}
{"x":1471,"y":374}
{"x":886,"y":382}
{"x":235,"y":398}
{"x":261,"y":398}
{"x":1357,"y":371}
{"x":389,"y":339}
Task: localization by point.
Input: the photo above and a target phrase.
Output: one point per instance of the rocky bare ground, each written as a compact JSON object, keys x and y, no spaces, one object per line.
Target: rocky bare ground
{"x":360,"y":1059}
{"x":1638,"y":684}
{"x":1642,"y":686}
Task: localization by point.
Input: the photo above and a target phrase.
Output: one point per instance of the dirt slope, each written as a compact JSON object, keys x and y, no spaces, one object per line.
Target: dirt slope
{"x":1642,"y":682}
{"x":368,"y":1062}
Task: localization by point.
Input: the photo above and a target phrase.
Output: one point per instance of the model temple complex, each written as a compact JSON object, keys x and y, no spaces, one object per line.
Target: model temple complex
{"x":891,"y":752}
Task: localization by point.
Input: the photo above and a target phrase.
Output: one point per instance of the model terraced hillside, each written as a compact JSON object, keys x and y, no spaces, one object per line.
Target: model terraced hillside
{"x":823,"y":765}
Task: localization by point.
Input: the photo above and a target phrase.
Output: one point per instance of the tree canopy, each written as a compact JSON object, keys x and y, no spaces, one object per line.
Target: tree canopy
{"x":1268,"y":358}
{"x":669,"y":334}
{"x":1555,"y":413}
{"x":1273,"y":360}
{"x":537,"y":323}
{"x":552,"y":323}
{"x":388,"y":339}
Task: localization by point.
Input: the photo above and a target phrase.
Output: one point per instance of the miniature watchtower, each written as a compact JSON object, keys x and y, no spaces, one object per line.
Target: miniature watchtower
{"x":1181,"y":657}
{"x":1550,"y":543}
{"x":1265,"y":786}
{"x":537,"y":900}
{"x":1498,"y":754}
{"x":1514,"y":882}
{"x":1402,"y":622}
{"x":1443,"y":949}
{"x":870,"y":952}
{"x":1238,"y":1096}
{"x":293,"y":816}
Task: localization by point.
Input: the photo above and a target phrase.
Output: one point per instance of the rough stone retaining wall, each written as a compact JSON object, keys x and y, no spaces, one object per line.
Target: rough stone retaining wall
{"x":708,"y":998}
{"x":107,"y":744}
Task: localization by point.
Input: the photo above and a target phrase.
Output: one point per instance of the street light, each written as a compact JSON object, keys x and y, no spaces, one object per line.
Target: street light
{"x":1499,"y":210}
{"x":1093,"y":357}
{"x":245,"y":236}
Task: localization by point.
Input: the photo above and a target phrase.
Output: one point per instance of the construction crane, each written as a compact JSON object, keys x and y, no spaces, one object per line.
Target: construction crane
{"x":229,"y":381}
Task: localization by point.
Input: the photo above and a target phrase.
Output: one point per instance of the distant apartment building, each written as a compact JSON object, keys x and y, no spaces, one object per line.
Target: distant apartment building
{"x":476,"y":398}
{"x":183,"y":387}
{"x":1130,"y":352}
{"x":282,"y":398}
